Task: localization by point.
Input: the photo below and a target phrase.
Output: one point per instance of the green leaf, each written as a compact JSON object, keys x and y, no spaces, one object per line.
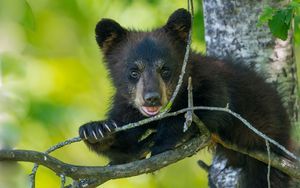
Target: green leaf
{"x":28,"y":20}
{"x":279,"y":25}
{"x":279,"y":20}
{"x":265,"y":16}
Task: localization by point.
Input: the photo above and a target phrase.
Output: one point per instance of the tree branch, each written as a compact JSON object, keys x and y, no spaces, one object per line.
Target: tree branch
{"x":99,"y":175}
{"x":108,"y":172}
{"x":285,"y":165}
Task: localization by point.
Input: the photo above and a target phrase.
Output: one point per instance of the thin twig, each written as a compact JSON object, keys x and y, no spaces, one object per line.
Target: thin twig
{"x":202,"y":128}
{"x":203,"y":165}
{"x":269,"y":163}
{"x":251,"y":127}
{"x":226,"y":109}
{"x":185,"y":61}
{"x":62,"y":180}
{"x":189,"y":114}
{"x":180,"y":81}
{"x":51,"y":149}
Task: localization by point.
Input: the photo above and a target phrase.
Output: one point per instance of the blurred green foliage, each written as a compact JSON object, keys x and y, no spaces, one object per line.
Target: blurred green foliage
{"x":52,"y":81}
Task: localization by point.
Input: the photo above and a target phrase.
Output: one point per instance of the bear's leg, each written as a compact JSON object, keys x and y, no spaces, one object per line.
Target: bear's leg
{"x":170,"y":134}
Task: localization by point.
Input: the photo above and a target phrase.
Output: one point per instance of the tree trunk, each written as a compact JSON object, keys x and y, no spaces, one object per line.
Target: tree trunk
{"x":231,"y":32}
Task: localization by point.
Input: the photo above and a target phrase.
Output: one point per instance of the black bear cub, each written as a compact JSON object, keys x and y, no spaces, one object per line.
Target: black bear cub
{"x":144,"y":67}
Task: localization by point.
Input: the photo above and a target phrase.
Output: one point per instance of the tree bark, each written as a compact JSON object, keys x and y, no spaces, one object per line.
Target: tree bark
{"x":231,"y":32}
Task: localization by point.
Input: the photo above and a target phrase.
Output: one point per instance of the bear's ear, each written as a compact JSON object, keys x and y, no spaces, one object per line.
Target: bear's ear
{"x":109,"y":33}
{"x":179,"y":24}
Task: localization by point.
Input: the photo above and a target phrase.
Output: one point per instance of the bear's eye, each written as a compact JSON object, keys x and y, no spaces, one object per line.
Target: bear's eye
{"x":134,"y":74}
{"x":165,"y":72}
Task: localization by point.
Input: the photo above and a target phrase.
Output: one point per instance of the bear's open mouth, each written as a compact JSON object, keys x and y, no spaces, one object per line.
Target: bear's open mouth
{"x":151,"y":110}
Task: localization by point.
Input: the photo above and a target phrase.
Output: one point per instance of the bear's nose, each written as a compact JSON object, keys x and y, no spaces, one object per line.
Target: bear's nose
{"x":152,"y":98}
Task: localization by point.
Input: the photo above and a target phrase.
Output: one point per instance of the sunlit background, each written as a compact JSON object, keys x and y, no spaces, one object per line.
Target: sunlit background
{"x":52,"y":80}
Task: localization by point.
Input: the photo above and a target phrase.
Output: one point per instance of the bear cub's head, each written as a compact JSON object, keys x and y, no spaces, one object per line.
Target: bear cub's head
{"x":145,"y":66}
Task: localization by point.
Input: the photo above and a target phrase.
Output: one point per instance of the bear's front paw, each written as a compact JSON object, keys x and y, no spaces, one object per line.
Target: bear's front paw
{"x":96,"y":131}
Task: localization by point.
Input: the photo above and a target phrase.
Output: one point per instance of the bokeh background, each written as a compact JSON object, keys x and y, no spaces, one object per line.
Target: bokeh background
{"x":52,"y":80}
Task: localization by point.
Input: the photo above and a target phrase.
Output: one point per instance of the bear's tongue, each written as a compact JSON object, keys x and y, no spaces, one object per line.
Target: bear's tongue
{"x":151,"y":110}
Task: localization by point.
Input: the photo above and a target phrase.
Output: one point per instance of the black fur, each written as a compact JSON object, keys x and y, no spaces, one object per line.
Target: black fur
{"x":215,"y":83}
{"x":108,"y":34}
